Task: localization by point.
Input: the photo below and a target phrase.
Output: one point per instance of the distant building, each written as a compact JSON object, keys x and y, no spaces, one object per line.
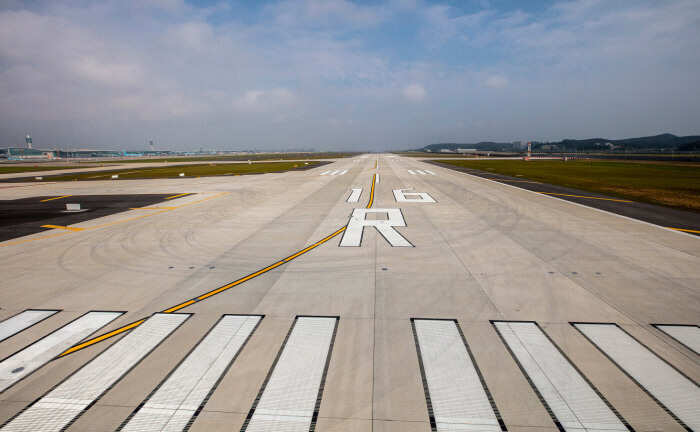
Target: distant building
{"x":463,"y":151}
{"x":445,"y":150}
{"x":519,"y":145}
{"x":25,"y":153}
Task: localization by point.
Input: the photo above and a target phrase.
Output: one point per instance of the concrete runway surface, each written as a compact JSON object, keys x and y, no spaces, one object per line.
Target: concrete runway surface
{"x":434,"y":300}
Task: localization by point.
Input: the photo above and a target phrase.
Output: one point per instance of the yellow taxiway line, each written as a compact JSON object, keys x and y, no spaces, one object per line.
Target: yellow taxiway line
{"x":55,"y":198}
{"x":684,"y":230}
{"x":216,"y":291}
{"x":583,"y":196}
{"x":63,"y":227}
{"x":71,"y":229}
{"x":175,"y":196}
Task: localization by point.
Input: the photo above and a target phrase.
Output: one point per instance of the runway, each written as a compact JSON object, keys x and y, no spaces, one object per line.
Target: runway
{"x":376,"y":293}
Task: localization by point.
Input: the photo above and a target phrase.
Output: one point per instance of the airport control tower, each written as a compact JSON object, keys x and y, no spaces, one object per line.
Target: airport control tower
{"x":28,"y":139}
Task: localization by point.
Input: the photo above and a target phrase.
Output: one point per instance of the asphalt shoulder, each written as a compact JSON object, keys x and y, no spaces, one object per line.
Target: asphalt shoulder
{"x":683,"y":220}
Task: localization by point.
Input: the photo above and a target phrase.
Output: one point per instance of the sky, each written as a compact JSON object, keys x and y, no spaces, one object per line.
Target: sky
{"x":344,"y":75}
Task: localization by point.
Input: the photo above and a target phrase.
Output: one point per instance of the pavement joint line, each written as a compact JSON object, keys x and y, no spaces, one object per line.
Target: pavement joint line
{"x":71,"y":229}
{"x":584,"y":196}
{"x":216,"y":291}
{"x":152,"y":208}
{"x":55,"y":198}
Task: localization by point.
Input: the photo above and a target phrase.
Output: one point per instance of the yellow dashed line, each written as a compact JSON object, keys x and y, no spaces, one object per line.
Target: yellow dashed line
{"x":51,"y":199}
{"x":583,"y":196}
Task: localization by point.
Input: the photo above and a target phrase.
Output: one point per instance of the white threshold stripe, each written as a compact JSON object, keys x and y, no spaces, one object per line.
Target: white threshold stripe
{"x":420,"y":172}
{"x":181,"y":395}
{"x":22,"y":321}
{"x":458,"y":399}
{"x":355,"y":195}
{"x":34,"y":356}
{"x":342,"y":173}
{"x":59,"y":407}
{"x":411,"y":172}
{"x":572,"y":401}
{"x":325,"y":172}
{"x":688,"y":335}
{"x":430,"y":172}
{"x":288,"y":400}
{"x":335,"y":172}
{"x":675,"y":392}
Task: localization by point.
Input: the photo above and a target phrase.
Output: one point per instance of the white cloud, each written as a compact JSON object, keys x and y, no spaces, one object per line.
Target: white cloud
{"x":265,"y":101}
{"x":414,"y":92}
{"x":109,"y":74}
{"x":497,"y":81}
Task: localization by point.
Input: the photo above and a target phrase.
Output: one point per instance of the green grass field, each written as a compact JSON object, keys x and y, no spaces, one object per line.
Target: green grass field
{"x":252,"y":157}
{"x":669,"y":184}
{"x":20,"y":169}
{"x":212,"y":169}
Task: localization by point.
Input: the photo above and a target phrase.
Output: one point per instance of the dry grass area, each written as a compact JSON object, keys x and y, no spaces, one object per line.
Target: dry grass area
{"x":669,"y":184}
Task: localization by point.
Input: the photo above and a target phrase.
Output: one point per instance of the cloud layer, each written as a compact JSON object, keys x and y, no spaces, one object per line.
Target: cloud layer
{"x":334,"y":74}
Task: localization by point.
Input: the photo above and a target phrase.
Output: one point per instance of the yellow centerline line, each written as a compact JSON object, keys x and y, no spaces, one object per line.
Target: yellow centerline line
{"x":684,"y":230}
{"x":175,"y":196}
{"x":371,"y":192}
{"x":218,"y":290}
{"x":583,"y":196}
{"x":103,"y":337}
{"x":51,"y":199}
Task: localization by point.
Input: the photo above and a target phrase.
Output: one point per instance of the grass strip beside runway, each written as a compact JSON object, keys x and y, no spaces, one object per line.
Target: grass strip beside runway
{"x":671,"y":185}
{"x":20,"y":169}
{"x":189,"y":171}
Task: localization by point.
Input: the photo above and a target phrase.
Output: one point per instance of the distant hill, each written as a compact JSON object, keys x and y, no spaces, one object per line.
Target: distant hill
{"x":663,"y":142}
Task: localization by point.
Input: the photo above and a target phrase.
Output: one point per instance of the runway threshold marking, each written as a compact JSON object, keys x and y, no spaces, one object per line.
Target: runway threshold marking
{"x":55,"y":198}
{"x":57,"y":409}
{"x":584,"y":196}
{"x":63,"y":227}
{"x":219,"y":290}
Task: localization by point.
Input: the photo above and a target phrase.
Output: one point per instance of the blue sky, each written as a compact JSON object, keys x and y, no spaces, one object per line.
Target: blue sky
{"x":336,"y":74}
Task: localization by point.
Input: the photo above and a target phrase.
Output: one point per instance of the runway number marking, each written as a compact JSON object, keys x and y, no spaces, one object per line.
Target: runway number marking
{"x":420,"y":197}
{"x":355,"y":195}
{"x":352,"y":237}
